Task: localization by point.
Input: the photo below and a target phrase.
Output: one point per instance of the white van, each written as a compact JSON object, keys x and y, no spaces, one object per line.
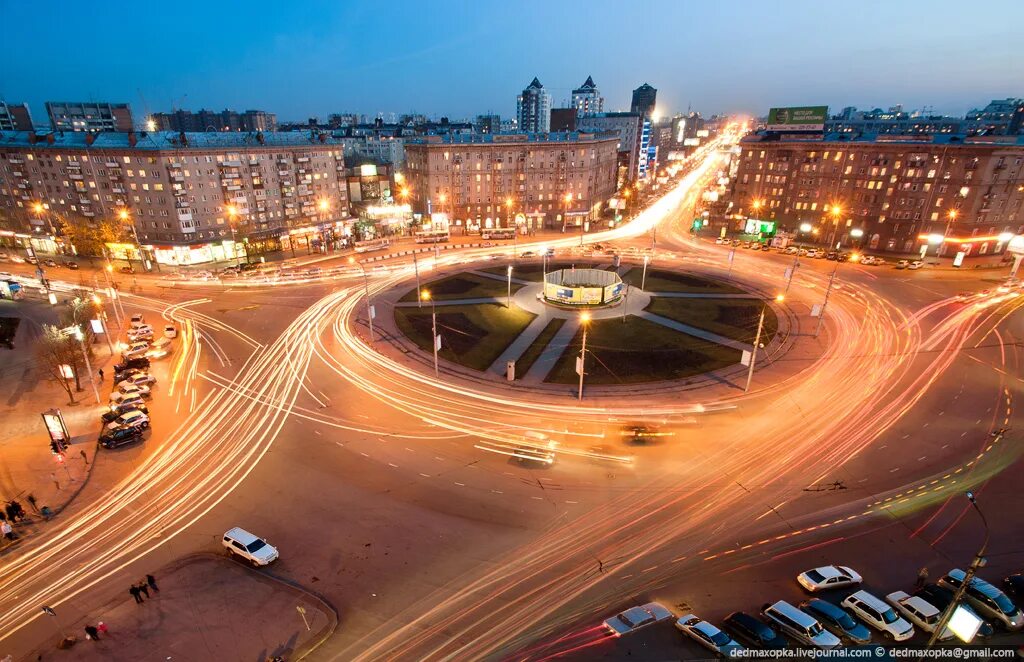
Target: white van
{"x":800,"y":625}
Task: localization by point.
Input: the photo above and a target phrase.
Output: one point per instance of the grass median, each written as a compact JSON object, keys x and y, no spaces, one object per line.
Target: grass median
{"x":637,"y":351}
{"x":536,"y":348}
{"x":735,"y":319}
{"x":473,"y":336}
{"x":670,"y":281}
{"x":463,"y":286}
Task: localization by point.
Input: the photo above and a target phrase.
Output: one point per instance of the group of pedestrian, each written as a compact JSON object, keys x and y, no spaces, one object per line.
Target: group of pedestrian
{"x":93,"y":631}
{"x":14,"y":511}
{"x":142,"y":587}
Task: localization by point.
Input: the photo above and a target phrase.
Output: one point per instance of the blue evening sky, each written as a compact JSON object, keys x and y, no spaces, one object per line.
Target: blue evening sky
{"x":305,"y":58}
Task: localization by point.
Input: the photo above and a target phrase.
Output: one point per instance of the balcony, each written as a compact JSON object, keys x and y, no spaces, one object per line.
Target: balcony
{"x":179,"y":192}
{"x":233,"y":187}
{"x":177,"y":177}
{"x":184,"y":215}
{"x":17,"y":173}
{"x":231,"y":164}
{"x":284,"y":173}
{"x":77,"y":176}
{"x":117,"y":189}
{"x":302,"y":159}
{"x":16,"y":161}
{"x":112,"y":164}
{"x":88,"y":212}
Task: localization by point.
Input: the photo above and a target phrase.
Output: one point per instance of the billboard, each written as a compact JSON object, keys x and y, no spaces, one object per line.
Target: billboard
{"x":798,"y":118}
{"x":755,"y":226}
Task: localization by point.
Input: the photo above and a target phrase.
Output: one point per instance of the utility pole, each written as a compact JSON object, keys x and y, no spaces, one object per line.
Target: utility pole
{"x":416,"y":266}
{"x":76,"y":332}
{"x":978,"y":562}
{"x":828,"y":290}
{"x":366,"y":286}
{"x":643,"y":278}
{"x":584,"y":318}
{"x":753,"y":350}
{"x":792,"y":272}
{"x":434,"y":339}
{"x":508,"y":301}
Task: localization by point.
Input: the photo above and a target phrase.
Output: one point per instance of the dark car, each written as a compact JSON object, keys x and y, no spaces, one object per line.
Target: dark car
{"x":139,"y":362}
{"x":115,"y":411}
{"x":127,"y":270}
{"x":940,"y":597}
{"x":49,"y":263}
{"x":120,"y":437}
{"x":248,"y":266}
{"x":71,"y":265}
{"x":753,"y":632}
{"x":843,"y":257}
{"x":1014,"y":586}
{"x":838,"y":620}
{"x":832,"y":255}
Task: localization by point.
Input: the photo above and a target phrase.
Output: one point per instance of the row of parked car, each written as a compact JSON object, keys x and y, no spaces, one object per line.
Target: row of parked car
{"x":127,"y":417}
{"x":822,"y":254}
{"x":854,"y":620}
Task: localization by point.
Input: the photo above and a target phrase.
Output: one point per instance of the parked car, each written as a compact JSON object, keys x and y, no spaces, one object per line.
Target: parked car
{"x":707,"y":635}
{"x":986,"y":599}
{"x":71,"y":265}
{"x":120,"y":437}
{"x":160,"y":349}
{"x":50,"y":263}
{"x":170,"y":331}
{"x":879,"y":615}
{"x":916,"y":264}
{"x":918,"y":611}
{"x":1014,"y":587}
{"x":832,"y":255}
{"x":32,"y":259}
{"x":139,"y":363}
{"x":837,"y":620}
{"x":902,"y":264}
{"x":867,"y":259}
{"x":17,"y":259}
{"x":940,"y":597}
{"x":753,"y":632}
{"x":126,"y":270}
{"x":813,"y":252}
{"x":140,"y":334}
{"x":137,"y":379}
{"x":129,"y":401}
{"x":128,"y":390}
{"x":720,"y":241}
{"x":137,"y":320}
{"x":249,"y":547}
{"x":527,"y":254}
{"x":828,"y":577}
{"x":116,"y":410}
{"x":792,"y":250}
{"x":130,"y":419}
{"x":135,"y":350}
{"x":636,"y":618}
{"x":799,"y":625}
{"x":765,"y":247}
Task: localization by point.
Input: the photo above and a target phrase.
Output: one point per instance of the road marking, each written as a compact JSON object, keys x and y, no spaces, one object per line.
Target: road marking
{"x":653,"y":567}
{"x":409,"y":449}
{"x":425,"y":475}
{"x":537,"y":498}
{"x":894,"y":470}
{"x":497,"y":492}
{"x":392,"y":464}
{"x":921,"y":458}
{"x":460,"y":484}
{"x":340,"y":444}
{"x":572,"y":501}
{"x":441,"y":459}
{"x":364,"y":455}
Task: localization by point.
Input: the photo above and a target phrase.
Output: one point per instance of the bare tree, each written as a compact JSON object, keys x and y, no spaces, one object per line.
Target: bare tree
{"x":54,"y":350}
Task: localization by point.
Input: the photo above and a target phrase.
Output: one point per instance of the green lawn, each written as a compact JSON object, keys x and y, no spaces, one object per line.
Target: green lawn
{"x":639,"y":351}
{"x":473,"y":336}
{"x":669,"y":281}
{"x":533,"y":352}
{"x":733,"y":318}
{"x":463,"y":286}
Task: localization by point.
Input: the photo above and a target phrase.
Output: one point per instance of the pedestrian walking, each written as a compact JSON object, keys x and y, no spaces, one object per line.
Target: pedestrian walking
{"x":9,"y":510}
{"x":142,"y":587}
{"x":92,"y":633}
{"x":8,"y":532}
{"x":102,"y":627}
{"x":151,"y":580}
{"x":101,"y":374}
{"x":19,"y":511}
{"x":922,"y":577}
{"x":32,"y":502}
{"x":134,"y":590}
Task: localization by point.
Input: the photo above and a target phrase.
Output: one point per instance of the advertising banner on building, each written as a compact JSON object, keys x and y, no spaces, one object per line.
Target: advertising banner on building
{"x":797,"y":118}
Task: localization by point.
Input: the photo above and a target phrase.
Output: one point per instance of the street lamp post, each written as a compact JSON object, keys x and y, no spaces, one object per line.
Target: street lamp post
{"x":101,"y":316}
{"x":584,"y":320}
{"x":757,"y":342}
{"x":434,"y":340}
{"x":949,"y":224}
{"x":643,"y":278}
{"x":977,"y":562}
{"x":824,"y":304}
{"x":512,"y":224}
{"x":232,"y":213}
{"x":416,"y":268}
{"x":366,"y":286}
{"x":836,"y":211}
{"x":508,"y":301}
{"x":107,"y":271}
{"x":76,"y":332}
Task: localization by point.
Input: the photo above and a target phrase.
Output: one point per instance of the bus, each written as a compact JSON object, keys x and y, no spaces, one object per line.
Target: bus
{"x":372,"y":245}
{"x":432,"y":237}
{"x":498,"y":233}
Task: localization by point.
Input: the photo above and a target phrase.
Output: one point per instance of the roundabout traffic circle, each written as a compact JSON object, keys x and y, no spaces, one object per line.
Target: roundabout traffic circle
{"x":523,"y":324}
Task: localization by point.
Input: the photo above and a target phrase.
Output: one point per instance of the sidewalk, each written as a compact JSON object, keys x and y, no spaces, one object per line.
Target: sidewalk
{"x":209,"y":607}
{"x":26,"y":464}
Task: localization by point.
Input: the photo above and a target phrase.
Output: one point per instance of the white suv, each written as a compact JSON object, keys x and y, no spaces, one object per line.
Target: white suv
{"x":251,"y":548}
{"x":879,"y":615}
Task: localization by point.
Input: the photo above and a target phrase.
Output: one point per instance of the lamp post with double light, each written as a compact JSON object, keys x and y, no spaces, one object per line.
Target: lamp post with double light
{"x":585,"y":321}
{"x":366,"y":289}
{"x":435,"y":340}
{"x":757,"y":340}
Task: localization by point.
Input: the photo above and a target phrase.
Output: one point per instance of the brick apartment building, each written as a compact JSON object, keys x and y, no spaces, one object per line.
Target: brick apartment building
{"x":896,"y":189}
{"x":470,"y":178}
{"x":287,"y":190}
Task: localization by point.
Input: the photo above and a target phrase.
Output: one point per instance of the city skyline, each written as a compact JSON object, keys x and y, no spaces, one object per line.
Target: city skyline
{"x":330,"y":59}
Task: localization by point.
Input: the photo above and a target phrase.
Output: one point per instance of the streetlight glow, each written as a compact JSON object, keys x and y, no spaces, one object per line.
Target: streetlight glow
{"x":806,"y":227}
{"x":425,"y":295}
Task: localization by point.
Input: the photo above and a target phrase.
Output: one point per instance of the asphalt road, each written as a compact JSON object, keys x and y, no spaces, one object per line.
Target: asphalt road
{"x":369,"y":477}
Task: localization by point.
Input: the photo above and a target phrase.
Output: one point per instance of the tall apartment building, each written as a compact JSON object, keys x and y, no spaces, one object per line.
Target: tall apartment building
{"x":470,"y":178}
{"x":206,"y":120}
{"x":895,"y":189}
{"x":587,"y":99}
{"x":533,"y":108}
{"x":629,"y":128}
{"x":90,"y":117}
{"x":15,"y":117}
{"x":287,"y":190}
{"x":644,"y":98}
